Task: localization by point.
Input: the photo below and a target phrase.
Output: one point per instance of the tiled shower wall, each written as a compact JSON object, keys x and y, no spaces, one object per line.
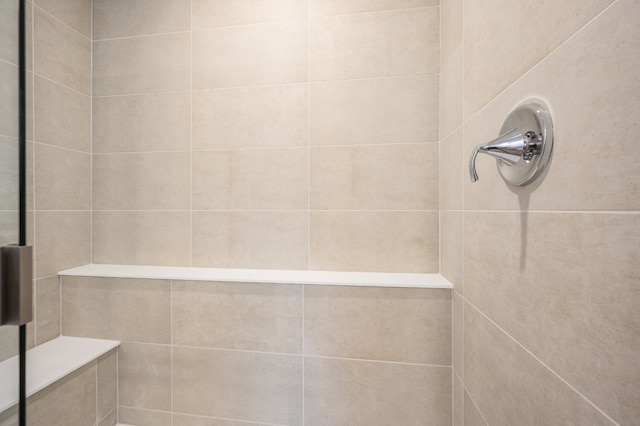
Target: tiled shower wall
{"x":205,"y":353}
{"x":289,"y":134}
{"x":546,"y":293}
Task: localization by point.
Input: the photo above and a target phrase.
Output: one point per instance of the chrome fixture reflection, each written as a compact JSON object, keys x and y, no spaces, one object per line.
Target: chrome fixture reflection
{"x":524,"y":146}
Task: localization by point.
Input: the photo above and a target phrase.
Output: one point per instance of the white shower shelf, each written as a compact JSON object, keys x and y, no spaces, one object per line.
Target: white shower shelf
{"x":361,"y":279}
{"x":48,"y":363}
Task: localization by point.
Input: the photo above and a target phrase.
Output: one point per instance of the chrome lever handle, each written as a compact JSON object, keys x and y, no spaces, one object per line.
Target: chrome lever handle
{"x":472,"y":163}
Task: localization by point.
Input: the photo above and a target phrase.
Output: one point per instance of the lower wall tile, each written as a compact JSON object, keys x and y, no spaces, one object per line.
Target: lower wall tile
{"x":374,"y":241}
{"x":513,"y":388}
{"x":63,"y":241}
{"x":183,"y":420}
{"x":472,"y":416}
{"x":69,"y":401}
{"x":458,"y":401}
{"x":107,"y":383}
{"x":139,"y":417}
{"x":346,"y":392}
{"x":144,"y":376}
{"x":110,"y":419}
{"x":252,"y":386}
{"x":47,"y":313}
{"x":392,"y":324}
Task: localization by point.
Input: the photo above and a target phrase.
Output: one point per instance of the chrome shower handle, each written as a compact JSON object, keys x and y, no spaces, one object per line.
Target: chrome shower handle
{"x":521,"y":155}
{"x":509,"y":147}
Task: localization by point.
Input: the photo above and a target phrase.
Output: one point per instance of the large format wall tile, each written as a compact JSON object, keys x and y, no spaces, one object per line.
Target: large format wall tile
{"x":107,"y":383}
{"x":408,"y":325}
{"x":154,"y":122}
{"x":63,"y":241}
{"x":47,"y":309}
{"x":142,"y":238}
{"x":144,"y":376}
{"x":493,"y":53}
{"x":374,"y":241}
{"x":61,"y":179}
{"x":342,"y":7}
{"x":572,"y":306}
{"x":70,"y":126}
{"x":250,"y":55}
{"x":387,"y":110}
{"x":591,"y":108}
{"x":120,"y":309}
{"x":253,"y":179}
{"x":385,"y":177}
{"x":451,"y":29}
{"x":257,"y":317}
{"x":263,"y":239}
{"x":142,"y":65}
{"x":451,"y":98}
{"x":346,"y":392}
{"x":250,"y":117}
{"x":61,"y":54}
{"x":75,"y":13}
{"x":142,"y":417}
{"x":9,"y":176}
{"x":222,"y":13}
{"x":126,"y":18}
{"x":383,"y":44}
{"x":511,"y":387}
{"x":142,"y":181}
{"x":69,"y":401}
{"x":251,"y":386}
{"x":9,"y":119}
{"x":9,"y":31}
{"x":452,"y":173}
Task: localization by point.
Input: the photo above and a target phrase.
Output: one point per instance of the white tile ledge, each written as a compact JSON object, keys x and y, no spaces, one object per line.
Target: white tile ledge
{"x":48,"y":363}
{"x":362,"y":279}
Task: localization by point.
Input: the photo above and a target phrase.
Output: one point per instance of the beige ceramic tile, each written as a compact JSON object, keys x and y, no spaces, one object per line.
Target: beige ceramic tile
{"x":374,"y":241}
{"x":107,"y":383}
{"x":144,"y":376}
{"x":453,"y":172}
{"x":139,"y":417}
{"x":405,"y":325}
{"x":141,"y":238}
{"x":251,"y":386}
{"x":495,"y":55}
{"x":9,"y":339}
{"x":61,"y":54}
{"x":451,"y":94}
{"x":64,"y":241}
{"x":47,"y":313}
{"x":451,"y":246}
{"x":451,"y":28}
{"x":126,"y":18}
{"x":29,"y":24}
{"x":9,"y":119}
{"x":145,"y":181}
{"x":458,"y":401}
{"x":253,"y":117}
{"x":457,"y":331}
{"x":62,"y":116}
{"x":221,"y":13}
{"x":9,"y":31}
{"x":256,"y":179}
{"x":184,"y":420}
{"x":141,"y":65}
{"x":346,"y":392}
{"x":117,"y":308}
{"x":569,"y":295}
{"x":9,"y":174}
{"x":383,"y":44}
{"x":75,"y":13}
{"x":62,"y":179}
{"x":9,"y":227}
{"x":155,"y":122}
{"x":29,"y":105}
{"x":110,"y":419}
{"x":341,"y":7}
{"x":253,"y":55}
{"x":590,"y":108}
{"x":511,"y":387}
{"x":69,"y":401}
{"x":271,"y":240}
{"x":385,"y":177}
{"x":472,"y":416}
{"x":255,"y":317}
{"x":388,"y":110}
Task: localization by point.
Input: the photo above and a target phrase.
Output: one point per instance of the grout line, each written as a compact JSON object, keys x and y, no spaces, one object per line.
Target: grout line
{"x":57,"y":83}
{"x":49,"y":145}
{"x":100,"y":40}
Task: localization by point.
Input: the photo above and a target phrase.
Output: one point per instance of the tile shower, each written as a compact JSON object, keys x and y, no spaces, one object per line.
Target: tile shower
{"x":328,"y":135}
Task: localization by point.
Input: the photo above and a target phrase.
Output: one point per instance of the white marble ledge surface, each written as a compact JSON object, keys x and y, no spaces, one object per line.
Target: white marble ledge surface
{"x":362,"y":279}
{"x":48,"y":363}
